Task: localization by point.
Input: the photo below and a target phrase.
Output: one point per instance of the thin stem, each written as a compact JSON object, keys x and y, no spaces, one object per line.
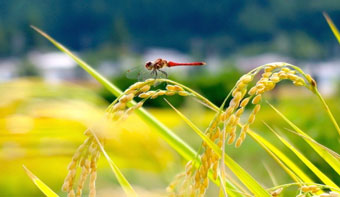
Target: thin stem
{"x":205,"y":100}
{"x":222,"y":166}
{"x":328,"y":110}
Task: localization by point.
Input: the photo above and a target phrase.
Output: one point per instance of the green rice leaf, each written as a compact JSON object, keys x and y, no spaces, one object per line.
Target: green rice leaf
{"x":306,"y":161}
{"x":102,"y":80}
{"x":332,"y":26}
{"x":336,"y":155}
{"x":243,"y":176}
{"x":293,"y":171}
{"x":235,"y":183}
{"x":327,"y":156}
{"x":129,"y":191}
{"x":41,"y":185}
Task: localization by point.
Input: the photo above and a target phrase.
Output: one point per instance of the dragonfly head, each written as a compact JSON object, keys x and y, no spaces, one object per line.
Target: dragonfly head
{"x":149,"y":65}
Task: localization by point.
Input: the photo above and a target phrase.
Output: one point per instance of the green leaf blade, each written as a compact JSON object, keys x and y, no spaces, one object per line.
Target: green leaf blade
{"x":306,"y":161}
{"x":326,"y":155}
{"x":102,"y":80}
{"x":41,"y":185}
{"x":295,"y":170}
{"x":332,"y":26}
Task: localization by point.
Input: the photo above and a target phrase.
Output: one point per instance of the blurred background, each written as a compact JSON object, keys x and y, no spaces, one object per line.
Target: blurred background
{"x":47,"y":101}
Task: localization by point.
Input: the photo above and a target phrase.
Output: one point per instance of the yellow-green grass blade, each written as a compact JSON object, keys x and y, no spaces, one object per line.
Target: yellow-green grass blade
{"x":41,"y":185}
{"x":306,"y":161}
{"x":243,"y":176}
{"x":330,"y":151}
{"x":81,"y":63}
{"x":332,"y":26}
{"x":222,"y":178}
{"x":129,"y":191}
{"x":289,"y":166}
{"x":328,"y":157}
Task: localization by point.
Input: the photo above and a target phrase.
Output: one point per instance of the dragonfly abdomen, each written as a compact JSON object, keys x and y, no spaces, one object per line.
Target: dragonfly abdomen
{"x":171,"y":64}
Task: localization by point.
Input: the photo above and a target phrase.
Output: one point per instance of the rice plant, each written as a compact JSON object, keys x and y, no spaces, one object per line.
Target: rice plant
{"x":210,"y":164}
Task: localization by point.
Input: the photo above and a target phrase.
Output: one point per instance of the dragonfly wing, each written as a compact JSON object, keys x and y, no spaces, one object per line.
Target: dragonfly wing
{"x":142,"y":74}
{"x":133,"y":73}
{"x":146,"y":74}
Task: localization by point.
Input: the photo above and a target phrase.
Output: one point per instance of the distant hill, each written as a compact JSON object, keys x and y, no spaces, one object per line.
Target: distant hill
{"x":294,"y":28}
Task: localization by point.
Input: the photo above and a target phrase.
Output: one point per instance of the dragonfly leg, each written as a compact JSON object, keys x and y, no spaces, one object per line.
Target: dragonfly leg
{"x":166,"y":74}
{"x":155,"y":73}
{"x":139,"y":77}
{"x":155,"y":77}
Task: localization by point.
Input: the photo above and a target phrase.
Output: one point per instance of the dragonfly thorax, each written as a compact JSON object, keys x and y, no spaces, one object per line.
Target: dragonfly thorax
{"x":156,"y":65}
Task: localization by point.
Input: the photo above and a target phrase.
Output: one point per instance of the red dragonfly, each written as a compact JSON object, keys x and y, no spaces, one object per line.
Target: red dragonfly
{"x":153,"y":69}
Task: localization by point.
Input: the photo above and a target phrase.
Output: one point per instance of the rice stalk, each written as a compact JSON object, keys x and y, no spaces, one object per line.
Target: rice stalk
{"x":273,"y":74}
{"x":242,"y":96}
{"x":120,"y":108}
{"x":85,"y":158}
{"x":229,"y":119}
{"x":197,"y":174}
{"x":309,"y":189}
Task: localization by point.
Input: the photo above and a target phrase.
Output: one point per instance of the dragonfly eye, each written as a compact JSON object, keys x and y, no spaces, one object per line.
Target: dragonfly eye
{"x":148,"y":65}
